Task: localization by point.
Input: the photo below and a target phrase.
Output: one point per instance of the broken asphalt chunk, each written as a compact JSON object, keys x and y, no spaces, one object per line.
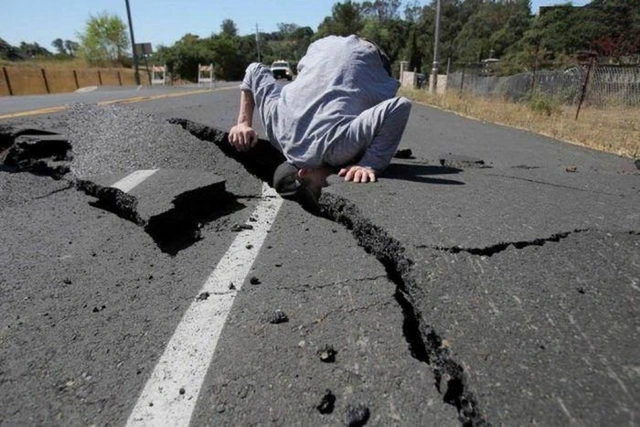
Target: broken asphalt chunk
{"x":241,"y":227}
{"x":327,"y":403}
{"x":113,"y":200}
{"x":203,"y":296}
{"x":172,"y":205}
{"x":404,"y":153}
{"x":277,"y":316}
{"x":356,"y":416}
{"x":327,"y":354}
{"x":44,"y":154}
{"x":9,"y":133}
{"x":462,"y":162}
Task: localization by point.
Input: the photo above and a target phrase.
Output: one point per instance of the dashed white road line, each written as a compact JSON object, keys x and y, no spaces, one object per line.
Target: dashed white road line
{"x":171,"y":393}
{"x":130,"y":181}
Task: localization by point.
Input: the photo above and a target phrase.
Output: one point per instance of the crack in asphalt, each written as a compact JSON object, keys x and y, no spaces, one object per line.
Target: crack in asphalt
{"x":113,"y":200}
{"x":174,"y":229}
{"x":535,"y":181}
{"x":40,"y":152}
{"x":491,"y":250}
{"x":342,"y":310}
{"x":70,"y":185}
{"x":424,"y":343}
{"x":307,"y":286}
{"x":260,"y":162}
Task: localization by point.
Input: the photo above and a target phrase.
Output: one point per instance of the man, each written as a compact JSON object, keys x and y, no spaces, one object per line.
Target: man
{"x":340,"y":112}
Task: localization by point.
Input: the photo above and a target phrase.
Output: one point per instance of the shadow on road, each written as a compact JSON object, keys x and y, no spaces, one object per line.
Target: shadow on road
{"x":418,"y":173}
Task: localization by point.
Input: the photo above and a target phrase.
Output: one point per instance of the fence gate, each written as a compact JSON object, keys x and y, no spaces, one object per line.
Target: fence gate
{"x":205,"y":75}
{"x":158,"y":75}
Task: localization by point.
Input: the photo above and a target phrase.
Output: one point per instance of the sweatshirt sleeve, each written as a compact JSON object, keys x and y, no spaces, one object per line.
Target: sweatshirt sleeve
{"x":375,"y":134}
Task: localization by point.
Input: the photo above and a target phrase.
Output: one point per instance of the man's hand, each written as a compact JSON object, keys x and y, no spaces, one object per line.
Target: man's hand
{"x":243,"y":137}
{"x":358,"y":174}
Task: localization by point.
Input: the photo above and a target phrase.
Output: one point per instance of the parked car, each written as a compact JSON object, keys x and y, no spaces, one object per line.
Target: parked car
{"x":281,"y":70}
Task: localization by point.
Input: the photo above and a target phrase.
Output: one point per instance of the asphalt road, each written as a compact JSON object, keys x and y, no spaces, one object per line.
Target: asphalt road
{"x":490,"y":278}
{"x":12,"y":107}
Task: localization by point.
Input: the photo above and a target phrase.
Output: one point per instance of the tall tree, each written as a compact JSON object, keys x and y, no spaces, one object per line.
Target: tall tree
{"x":59,"y":45}
{"x":381,"y":10}
{"x":229,"y":28}
{"x":104,"y":40}
{"x":184,"y":56}
{"x":9,"y":52}
{"x":71,"y":47}
{"x":33,"y":49}
{"x":346,"y":19}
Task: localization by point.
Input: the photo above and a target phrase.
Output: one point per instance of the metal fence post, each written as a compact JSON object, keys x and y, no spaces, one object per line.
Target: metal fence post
{"x":584,"y":87}
{"x":533,"y":78}
{"x":75,"y":78}
{"x":462,"y":79}
{"x":44,"y":77}
{"x":6,"y":78}
{"x":119,"y":78}
{"x":99,"y":78}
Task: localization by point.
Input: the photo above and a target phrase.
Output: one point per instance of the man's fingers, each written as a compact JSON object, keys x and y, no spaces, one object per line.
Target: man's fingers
{"x":357,"y":174}
{"x":371,"y":177}
{"x":253,"y":139}
{"x":349,"y":175}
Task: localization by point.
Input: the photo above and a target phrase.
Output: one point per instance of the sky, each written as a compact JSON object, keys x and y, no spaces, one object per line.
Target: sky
{"x":163,"y":22}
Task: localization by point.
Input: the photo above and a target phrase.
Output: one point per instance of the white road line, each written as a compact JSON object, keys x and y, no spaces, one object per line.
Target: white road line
{"x":171,"y":393}
{"x":129,"y":182}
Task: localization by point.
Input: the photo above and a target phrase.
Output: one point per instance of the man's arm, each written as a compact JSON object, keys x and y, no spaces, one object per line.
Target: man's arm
{"x":375,"y":134}
{"x":242,"y":136}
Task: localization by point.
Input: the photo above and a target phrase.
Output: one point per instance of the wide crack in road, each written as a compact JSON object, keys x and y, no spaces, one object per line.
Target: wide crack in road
{"x":424,"y":342}
{"x":175,"y":228}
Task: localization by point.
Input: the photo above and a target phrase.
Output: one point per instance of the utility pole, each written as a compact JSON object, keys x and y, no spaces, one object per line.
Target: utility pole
{"x":258,"y":43}
{"x":433,"y":85}
{"x":133,"y":45}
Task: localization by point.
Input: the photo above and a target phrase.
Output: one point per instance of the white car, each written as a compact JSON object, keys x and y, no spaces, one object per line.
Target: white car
{"x":281,"y":70}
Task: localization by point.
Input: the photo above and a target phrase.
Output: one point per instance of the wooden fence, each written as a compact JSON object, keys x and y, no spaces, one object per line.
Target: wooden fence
{"x":34,"y":81}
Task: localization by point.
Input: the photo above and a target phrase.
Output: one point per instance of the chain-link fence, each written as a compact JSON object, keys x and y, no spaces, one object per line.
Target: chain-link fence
{"x":606,"y":85}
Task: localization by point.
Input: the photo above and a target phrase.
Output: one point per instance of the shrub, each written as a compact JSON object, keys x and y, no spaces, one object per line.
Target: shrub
{"x":543,"y":104}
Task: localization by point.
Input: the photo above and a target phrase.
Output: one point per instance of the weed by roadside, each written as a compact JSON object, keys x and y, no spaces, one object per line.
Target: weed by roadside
{"x":543,"y":104}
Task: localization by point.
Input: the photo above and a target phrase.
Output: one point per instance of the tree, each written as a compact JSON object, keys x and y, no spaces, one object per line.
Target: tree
{"x":9,"y":52}
{"x":346,"y":19}
{"x":381,"y":10}
{"x":71,"y":47}
{"x":228,"y":60}
{"x":229,"y":28}
{"x":32,"y":50}
{"x":184,"y":56}
{"x":104,"y":40}
{"x":59,"y":45}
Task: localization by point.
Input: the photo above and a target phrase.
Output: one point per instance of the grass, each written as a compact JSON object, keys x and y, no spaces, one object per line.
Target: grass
{"x":614,"y":129}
